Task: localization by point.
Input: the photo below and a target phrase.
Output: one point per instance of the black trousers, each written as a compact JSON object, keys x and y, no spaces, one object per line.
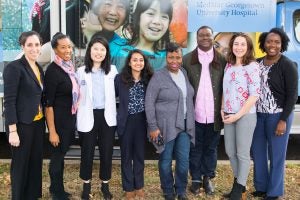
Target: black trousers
{"x":65,"y":127}
{"x":27,"y":160}
{"x":133,"y":152}
{"x":103,"y":136}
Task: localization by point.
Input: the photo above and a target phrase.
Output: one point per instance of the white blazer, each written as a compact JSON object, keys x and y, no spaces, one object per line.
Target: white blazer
{"x":85,"y":116}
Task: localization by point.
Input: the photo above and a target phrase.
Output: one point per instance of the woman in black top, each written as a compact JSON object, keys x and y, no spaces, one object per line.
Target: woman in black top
{"x":24,"y":120}
{"x":62,"y":94}
{"x":131,"y":120}
{"x":279,"y":86}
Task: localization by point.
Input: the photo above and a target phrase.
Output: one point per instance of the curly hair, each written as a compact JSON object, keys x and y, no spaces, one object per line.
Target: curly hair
{"x":278,"y":31}
{"x":146,"y":72}
{"x":248,"y":57}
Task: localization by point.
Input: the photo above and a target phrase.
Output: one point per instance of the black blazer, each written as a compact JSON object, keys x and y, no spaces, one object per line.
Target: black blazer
{"x":122,"y":91}
{"x":22,"y":92}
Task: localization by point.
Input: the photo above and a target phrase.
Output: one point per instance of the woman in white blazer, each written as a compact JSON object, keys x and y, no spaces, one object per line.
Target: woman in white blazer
{"x":96,"y":114}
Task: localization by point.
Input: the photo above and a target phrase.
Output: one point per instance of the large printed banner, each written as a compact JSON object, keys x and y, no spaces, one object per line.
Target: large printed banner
{"x":232,"y":15}
{"x":126,"y":24}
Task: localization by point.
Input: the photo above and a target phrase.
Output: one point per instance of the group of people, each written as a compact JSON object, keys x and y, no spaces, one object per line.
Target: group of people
{"x":180,"y":108}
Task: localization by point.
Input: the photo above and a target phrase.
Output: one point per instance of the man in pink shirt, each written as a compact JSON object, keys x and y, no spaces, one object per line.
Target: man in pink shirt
{"x":205,"y":68}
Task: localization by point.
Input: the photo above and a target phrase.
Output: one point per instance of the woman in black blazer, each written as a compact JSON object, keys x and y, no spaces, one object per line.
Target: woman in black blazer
{"x":24,"y":120}
{"x":61,"y":94}
{"x":130,"y":87}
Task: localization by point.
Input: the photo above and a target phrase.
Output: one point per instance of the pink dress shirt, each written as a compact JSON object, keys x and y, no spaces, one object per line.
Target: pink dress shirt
{"x":204,"y":106}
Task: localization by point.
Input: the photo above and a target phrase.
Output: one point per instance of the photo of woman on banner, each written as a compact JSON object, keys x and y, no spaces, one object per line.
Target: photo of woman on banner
{"x":149,"y":33}
{"x":221,"y":42}
{"x":104,"y":18}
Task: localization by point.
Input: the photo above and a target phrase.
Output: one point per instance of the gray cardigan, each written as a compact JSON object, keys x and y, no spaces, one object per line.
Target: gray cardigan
{"x":164,"y":107}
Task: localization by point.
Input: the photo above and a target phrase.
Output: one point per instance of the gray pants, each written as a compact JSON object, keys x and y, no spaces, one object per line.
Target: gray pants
{"x":238,"y":138}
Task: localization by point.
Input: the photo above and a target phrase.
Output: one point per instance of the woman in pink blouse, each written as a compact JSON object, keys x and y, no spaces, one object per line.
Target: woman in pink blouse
{"x":241,"y":87}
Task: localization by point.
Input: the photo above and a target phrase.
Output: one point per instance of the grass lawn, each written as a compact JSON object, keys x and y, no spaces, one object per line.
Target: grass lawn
{"x":73,"y":184}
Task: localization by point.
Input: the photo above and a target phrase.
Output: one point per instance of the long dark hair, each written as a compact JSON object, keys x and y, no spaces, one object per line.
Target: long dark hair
{"x":146,"y":73}
{"x":105,"y":64}
{"x":248,"y":57}
{"x":142,"y":6}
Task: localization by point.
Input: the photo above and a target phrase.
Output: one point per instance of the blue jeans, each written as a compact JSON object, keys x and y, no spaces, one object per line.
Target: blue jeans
{"x":266,"y":145}
{"x":203,"y":156}
{"x":180,"y":147}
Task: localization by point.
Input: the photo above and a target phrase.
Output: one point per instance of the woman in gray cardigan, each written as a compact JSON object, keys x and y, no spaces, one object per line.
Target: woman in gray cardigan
{"x":170,"y":114}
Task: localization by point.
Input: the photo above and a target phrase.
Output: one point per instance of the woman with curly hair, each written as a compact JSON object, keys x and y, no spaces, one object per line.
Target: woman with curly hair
{"x":279,"y":86}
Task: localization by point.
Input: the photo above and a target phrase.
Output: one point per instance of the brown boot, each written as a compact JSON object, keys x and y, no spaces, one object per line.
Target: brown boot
{"x":244,"y":195}
{"x":129,"y":195}
{"x":140,"y":194}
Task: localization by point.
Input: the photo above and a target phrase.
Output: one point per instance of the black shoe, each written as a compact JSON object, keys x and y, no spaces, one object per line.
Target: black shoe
{"x":182,"y":197}
{"x":85,"y":195}
{"x":169,"y":196}
{"x":195,"y":188}
{"x":270,"y":198}
{"x":237,"y":191}
{"x":105,"y":191}
{"x":259,"y":194}
{"x":208,"y":186}
{"x":67,"y":194}
{"x":227,"y":195}
{"x":60,"y":196}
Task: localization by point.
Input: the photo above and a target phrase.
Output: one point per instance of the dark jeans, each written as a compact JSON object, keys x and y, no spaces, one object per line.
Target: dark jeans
{"x":180,"y":147}
{"x":133,"y":152}
{"x":267,"y":146}
{"x":103,"y":136}
{"x":26,"y":162}
{"x":203,"y":156}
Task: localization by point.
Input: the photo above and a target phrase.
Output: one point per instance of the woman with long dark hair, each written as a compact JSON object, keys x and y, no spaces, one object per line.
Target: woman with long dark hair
{"x":131,"y":87}
{"x":96,"y":116}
